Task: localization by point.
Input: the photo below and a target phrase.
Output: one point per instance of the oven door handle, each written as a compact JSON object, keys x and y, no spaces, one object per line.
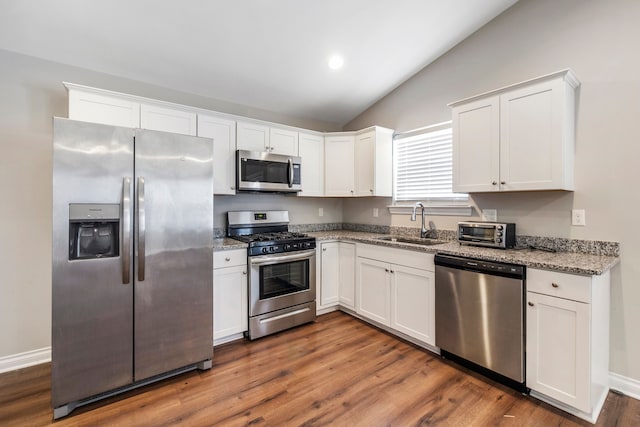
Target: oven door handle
{"x":276,"y":259}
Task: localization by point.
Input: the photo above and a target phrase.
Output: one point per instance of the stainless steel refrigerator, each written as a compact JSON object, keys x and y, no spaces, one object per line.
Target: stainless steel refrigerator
{"x":132,"y":284}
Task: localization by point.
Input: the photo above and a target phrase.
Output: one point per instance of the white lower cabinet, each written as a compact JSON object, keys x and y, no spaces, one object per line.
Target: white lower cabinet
{"x":337,"y":278}
{"x":230,"y":299}
{"x":568,"y":340}
{"x":396,"y":288}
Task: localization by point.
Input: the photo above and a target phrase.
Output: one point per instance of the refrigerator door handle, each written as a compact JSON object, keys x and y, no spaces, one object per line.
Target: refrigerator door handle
{"x":141,"y":229}
{"x":126,"y":230}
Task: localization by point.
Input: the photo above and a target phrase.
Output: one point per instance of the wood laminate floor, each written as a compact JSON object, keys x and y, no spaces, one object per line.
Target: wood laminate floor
{"x":338,"y":371}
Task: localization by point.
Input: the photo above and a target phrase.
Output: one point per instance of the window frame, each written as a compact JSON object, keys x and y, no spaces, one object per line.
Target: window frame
{"x":450,"y":206}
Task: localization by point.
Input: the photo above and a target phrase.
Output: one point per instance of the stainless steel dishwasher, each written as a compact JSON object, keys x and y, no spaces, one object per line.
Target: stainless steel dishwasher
{"x":480,"y":316}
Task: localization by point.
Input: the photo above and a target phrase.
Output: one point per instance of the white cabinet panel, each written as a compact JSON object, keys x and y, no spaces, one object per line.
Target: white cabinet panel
{"x":558,"y":361}
{"x":339,"y":166}
{"x":311,"y":150}
{"x":373,"y":162}
{"x":413,"y":302}
{"x":104,"y":109}
{"x":282,"y":141}
{"x":476,"y":146}
{"x":230,"y":294}
{"x":223,"y":133}
{"x":364,"y":163}
{"x":252,"y":137}
{"x":330,"y":277}
{"x":347,"y":286}
{"x":155,"y":117}
{"x":373,"y":290}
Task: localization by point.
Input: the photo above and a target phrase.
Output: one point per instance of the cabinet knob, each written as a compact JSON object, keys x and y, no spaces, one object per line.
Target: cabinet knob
{"x":494,"y":183}
{"x":351,"y":191}
{"x":391,"y":271}
{"x":555,"y":285}
{"x":324,"y":249}
{"x":227,"y":259}
{"x":371,"y":190}
{"x":232,"y":187}
{"x":244,"y":272}
{"x":386,"y":269}
{"x":503,"y":182}
{"x":530,"y":304}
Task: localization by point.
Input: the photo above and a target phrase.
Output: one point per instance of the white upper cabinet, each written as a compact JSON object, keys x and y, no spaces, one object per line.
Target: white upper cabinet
{"x":373,"y":162}
{"x":283,"y":141}
{"x":517,"y":138}
{"x":311,"y":151}
{"x":257,"y":137}
{"x":223,"y":133}
{"x":339,"y":161}
{"x":252,"y":137}
{"x":156,"y":117}
{"x":102,"y":108}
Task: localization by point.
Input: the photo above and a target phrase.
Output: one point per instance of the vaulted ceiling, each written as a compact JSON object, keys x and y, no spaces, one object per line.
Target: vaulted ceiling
{"x":268,"y":54}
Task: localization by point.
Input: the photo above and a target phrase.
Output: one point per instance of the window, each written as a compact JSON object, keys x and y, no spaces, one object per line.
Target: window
{"x":422,"y":165}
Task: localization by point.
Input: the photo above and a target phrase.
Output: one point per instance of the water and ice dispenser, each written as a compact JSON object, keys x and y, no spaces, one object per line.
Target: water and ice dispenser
{"x":94,"y":231}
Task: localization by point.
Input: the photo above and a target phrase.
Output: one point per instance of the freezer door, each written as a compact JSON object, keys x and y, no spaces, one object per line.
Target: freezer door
{"x":174,"y":252}
{"x":92,"y":310}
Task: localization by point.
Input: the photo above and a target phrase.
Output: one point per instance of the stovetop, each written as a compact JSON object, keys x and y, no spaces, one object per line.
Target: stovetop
{"x":270,"y":237}
{"x":276,"y":242}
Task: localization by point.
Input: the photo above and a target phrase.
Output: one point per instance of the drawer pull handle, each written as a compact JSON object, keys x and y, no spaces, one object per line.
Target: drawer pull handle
{"x":530,"y":304}
{"x":227,"y":259}
{"x":555,"y":285}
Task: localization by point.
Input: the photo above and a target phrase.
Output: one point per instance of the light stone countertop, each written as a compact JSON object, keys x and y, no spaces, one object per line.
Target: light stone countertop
{"x":566,"y":262}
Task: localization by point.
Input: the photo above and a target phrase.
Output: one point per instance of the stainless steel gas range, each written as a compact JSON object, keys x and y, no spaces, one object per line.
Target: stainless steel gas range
{"x":282,"y":266}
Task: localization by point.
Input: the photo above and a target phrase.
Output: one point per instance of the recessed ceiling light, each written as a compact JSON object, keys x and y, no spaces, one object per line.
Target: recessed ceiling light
{"x":336,"y":62}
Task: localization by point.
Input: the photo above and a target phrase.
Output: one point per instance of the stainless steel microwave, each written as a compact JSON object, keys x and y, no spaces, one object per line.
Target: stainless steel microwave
{"x":500,"y":235}
{"x":258,"y":171}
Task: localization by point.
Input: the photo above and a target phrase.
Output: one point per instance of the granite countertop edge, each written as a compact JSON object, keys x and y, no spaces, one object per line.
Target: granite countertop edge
{"x":564,"y":262}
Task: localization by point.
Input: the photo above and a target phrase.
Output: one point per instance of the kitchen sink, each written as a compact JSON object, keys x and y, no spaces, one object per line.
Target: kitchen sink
{"x":410,"y":240}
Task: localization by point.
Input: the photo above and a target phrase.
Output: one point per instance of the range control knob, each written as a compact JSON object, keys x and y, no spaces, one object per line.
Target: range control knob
{"x":499,"y":240}
{"x":499,"y":233}
{"x":500,"y":227}
{"x":264,"y":250}
{"x":272,"y":248}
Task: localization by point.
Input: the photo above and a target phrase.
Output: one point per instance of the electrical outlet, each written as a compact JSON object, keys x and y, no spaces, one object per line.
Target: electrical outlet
{"x":320,"y":212}
{"x":578,"y":217}
{"x":490,"y":214}
{"x":375,"y":212}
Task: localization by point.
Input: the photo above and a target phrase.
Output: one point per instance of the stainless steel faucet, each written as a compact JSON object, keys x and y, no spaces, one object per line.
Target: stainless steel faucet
{"x":424,"y":233}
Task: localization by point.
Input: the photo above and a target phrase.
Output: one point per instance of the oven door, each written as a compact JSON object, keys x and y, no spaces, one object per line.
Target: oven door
{"x":281,"y":281}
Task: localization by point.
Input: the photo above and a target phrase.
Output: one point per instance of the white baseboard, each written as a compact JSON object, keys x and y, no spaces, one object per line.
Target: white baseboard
{"x":625,"y":385}
{"x":23,"y":360}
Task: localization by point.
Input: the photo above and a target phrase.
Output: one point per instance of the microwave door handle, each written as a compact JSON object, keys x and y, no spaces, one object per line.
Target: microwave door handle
{"x":126,"y":230}
{"x":290,"y":170}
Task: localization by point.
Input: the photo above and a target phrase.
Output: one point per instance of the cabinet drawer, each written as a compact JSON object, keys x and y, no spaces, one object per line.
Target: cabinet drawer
{"x":229,"y":258}
{"x":562,"y":285}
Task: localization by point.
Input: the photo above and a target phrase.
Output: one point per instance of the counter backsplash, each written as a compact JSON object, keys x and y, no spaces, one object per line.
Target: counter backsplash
{"x":558,"y":244}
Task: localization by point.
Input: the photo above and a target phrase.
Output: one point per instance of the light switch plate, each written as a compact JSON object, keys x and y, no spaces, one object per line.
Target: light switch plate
{"x":490,"y":214}
{"x":578,"y":217}
{"x":320,"y":212}
{"x":375,"y":212}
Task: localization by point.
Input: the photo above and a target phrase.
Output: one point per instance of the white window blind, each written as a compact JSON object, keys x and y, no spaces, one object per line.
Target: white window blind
{"x":423,"y":165}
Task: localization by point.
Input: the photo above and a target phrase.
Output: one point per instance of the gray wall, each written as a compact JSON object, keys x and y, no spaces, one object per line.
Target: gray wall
{"x":599,"y":41}
{"x":32,"y":93}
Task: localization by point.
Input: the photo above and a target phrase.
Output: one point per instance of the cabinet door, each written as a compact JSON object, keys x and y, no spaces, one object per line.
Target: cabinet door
{"x":223,"y":133}
{"x":476,"y":146}
{"x":558,"y":362}
{"x":531,"y":137}
{"x":230,"y":301}
{"x":347,"y":264}
{"x":330,"y":274}
{"x":104,"y":109}
{"x":252,"y":137}
{"x":311,"y":150}
{"x":364,"y":163}
{"x":154,"y":117}
{"x":373,"y":291}
{"x":282,"y":141}
{"x":413,"y":302}
{"x":339,"y":166}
